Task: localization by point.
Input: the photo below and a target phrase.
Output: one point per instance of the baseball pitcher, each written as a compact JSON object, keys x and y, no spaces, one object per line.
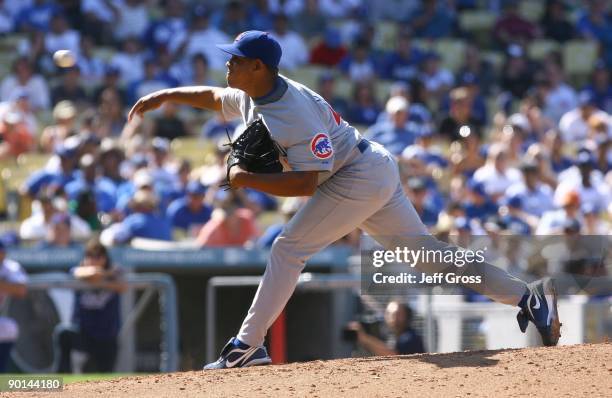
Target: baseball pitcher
{"x":352,"y":183}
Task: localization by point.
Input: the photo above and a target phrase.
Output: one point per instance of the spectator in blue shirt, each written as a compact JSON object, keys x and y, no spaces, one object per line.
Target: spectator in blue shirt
{"x":173,"y":23}
{"x":596,"y":24}
{"x":96,"y":318}
{"x":403,"y":63}
{"x":479,"y":106}
{"x":432,"y":21}
{"x":364,"y":109}
{"x":190,"y":212}
{"x":44,"y":178}
{"x":145,"y":221}
{"x":394,"y":134}
{"x":600,"y":87}
{"x":478,"y":205}
{"x":418,"y":194}
{"x":512,"y":218}
{"x":37,"y":16}
{"x":88,"y":179}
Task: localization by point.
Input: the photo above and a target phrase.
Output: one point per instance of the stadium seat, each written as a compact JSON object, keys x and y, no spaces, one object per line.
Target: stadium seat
{"x":194,"y":149}
{"x":496,"y":59}
{"x":344,"y":87}
{"x":538,"y":49}
{"x":386,"y":35}
{"x":308,"y":75}
{"x":476,"y":20}
{"x":532,"y":10}
{"x":579,"y":57}
{"x":452,"y":52}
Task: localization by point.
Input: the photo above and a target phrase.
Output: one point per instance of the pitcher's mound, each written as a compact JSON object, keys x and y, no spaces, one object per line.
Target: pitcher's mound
{"x":572,"y":371}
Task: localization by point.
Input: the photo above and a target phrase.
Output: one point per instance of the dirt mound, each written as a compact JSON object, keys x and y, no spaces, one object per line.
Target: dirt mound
{"x":572,"y":371}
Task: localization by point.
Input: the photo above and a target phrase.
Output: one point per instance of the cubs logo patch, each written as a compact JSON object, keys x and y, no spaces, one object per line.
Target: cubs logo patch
{"x":321,"y":146}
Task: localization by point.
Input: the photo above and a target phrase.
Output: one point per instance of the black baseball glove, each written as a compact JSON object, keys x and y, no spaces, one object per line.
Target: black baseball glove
{"x":254,"y":150}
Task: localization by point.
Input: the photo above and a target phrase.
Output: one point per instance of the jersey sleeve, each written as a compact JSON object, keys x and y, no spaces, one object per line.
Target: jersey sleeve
{"x":232,"y":101}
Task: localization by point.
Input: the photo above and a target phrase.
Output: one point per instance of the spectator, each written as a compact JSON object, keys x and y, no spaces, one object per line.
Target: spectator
{"x":459,"y":122}
{"x":437,"y":80}
{"x":6,"y":19}
{"x":595,"y":24}
{"x":432,"y":20}
{"x":61,"y":36}
{"x":295,"y":51}
{"x":37,"y":16}
{"x":232,"y":19}
{"x":586,"y":181}
{"x":71,"y":89}
{"x":129,"y":61}
{"x":594,"y":222}
{"x":112,"y":80}
{"x":479,"y":106}
{"x":329,"y":51}
{"x":217,"y":127}
{"x":152,"y":80}
{"x":403,"y":63}
{"x":364,"y":109}
{"x":91,"y":66}
{"x":89,"y":180}
{"x":261,"y":15}
{"x":466,"y":157}
{"x":64,"y":114}
{"x":96,"y":318}
{"x":172,"y":24}
{"x":23,"y":78}
{"x":517,"y":75}
{"x":327,"y":89}
{"x":338,"y":8}
{"x":536,"y":197}
{"x":574,"y":124}
{"x":403,"y":339}
{"x":554,"y":143}
{"x":417,"y":191}
{"x":601,"y":87}
{"x":144,"y":222}
{"x":99,"y":17}
{"x":189,"y":213}
{"x":478,"y":204}
{"x":511,"y":27}
{"x":230,"y":225}
{"x":475,"y":65}
{"x":15,"y":138}
{"x":21,"y":104}
{"x":359,"y":65}
{"x":37,"y":226}
{"x":309,"y":22}
{"x":553,"y":222}
{"x":168,"y":124}
{"x":555,"y":22}
{"x":132,"y":17}
{"x":112,"y":118}
{"x":200,"y":39}
{"x":196,"y":74}
{"x":111,"y":157}
{"x":59,"y":234}
{"x":52,"y":177}
{"x":561,"y":97}
{"x":495,"y":175}
{"x":290,"y":8}
{"x":394,"y":134}
{"x":512,"y":218}
{"x":13,"y":281}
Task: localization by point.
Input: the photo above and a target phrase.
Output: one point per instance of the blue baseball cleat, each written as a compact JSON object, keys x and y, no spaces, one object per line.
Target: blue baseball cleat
{"x":236,"y":354}
{"x":539,"y":305}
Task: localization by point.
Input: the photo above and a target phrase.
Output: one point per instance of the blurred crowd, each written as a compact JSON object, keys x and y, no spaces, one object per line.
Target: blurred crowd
{"x":497,"y":141}
{"x":517,"y":148}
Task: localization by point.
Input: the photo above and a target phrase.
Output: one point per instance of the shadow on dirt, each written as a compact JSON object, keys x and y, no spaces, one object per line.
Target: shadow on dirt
{"x":449,"y":360}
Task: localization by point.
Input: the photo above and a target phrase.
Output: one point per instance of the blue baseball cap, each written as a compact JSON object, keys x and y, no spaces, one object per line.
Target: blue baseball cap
{"x":195,"y":188}
{"x":255,"y":44}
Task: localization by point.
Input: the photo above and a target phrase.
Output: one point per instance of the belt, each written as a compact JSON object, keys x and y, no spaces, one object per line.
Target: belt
{"x":363,"y":145}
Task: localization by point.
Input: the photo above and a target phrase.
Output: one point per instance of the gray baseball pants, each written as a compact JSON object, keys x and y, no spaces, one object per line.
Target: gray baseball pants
{"x":366,"y":193}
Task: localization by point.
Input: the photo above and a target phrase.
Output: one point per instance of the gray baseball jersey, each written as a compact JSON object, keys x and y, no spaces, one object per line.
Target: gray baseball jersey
{"x":311,"y":134}
{"x":359,"y":187}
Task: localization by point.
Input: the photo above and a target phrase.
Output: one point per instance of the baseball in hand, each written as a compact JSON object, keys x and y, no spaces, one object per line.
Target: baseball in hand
{"x":64,"y":58}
